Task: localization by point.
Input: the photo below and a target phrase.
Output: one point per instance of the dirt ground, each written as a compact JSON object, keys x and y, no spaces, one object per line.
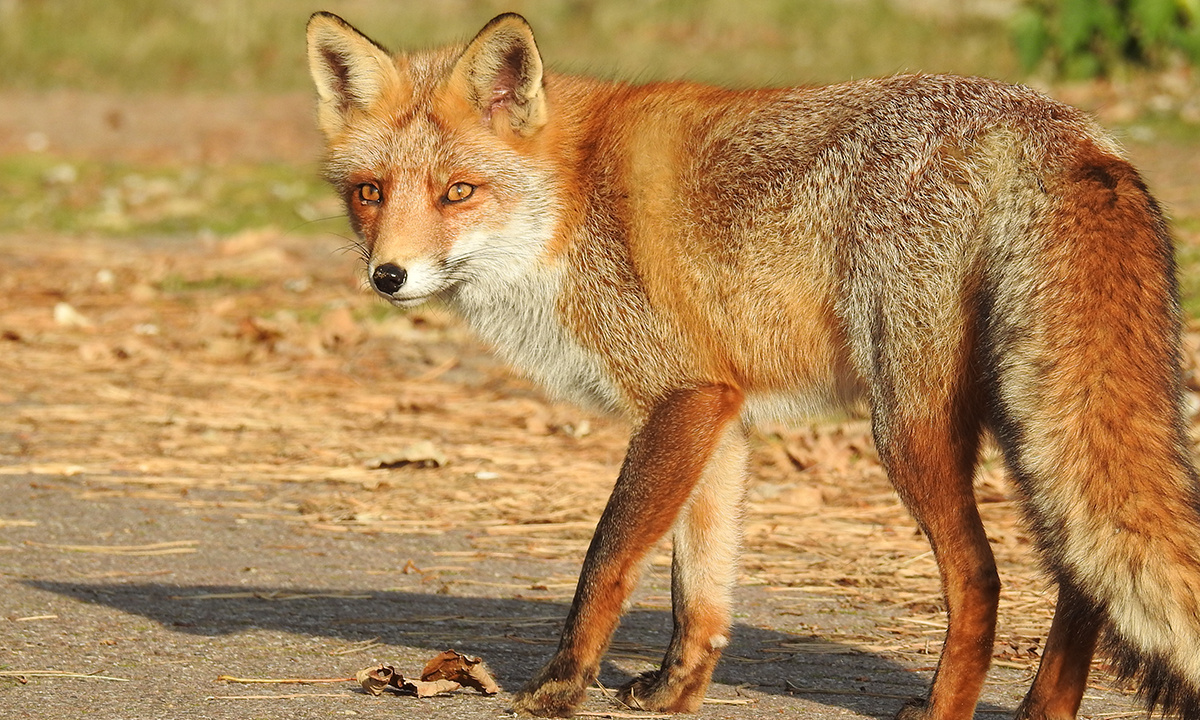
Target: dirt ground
{"x":220,"y":457}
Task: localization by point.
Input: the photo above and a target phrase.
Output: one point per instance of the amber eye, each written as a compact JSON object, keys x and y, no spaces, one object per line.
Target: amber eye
{"x":459,"y":192}
{"x":369,"y":194}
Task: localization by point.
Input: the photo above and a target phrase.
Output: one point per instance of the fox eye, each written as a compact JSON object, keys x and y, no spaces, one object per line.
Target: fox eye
{"x":369,"y":194}
{"x":459,"y":192}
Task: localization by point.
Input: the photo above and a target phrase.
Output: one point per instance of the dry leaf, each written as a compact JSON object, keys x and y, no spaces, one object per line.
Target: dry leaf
{"x":423,"y":454}
{"x":428,"y":688}
{"x":339,"y":329}
{"x":375,"y":680}
{"x":458,"y":669}
{"x":465,"y":669}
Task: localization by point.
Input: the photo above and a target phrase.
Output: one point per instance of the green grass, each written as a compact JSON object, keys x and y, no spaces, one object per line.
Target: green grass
{"x":176,"y":284}
{"x":155,"y":45}
{"x":1154,"y":127}
{"x":41,"y":192}
{"x":1187,"y":258}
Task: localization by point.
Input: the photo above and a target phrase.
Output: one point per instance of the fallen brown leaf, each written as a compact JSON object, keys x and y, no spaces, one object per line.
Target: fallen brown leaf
{"x":428,"y":688}
{"x":443,"y":674}
{"x":375,"y":680}
{"x":465,"y":669}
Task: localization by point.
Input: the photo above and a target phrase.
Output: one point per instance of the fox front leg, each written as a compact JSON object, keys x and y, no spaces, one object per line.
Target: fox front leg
{"x":707,"y":540}
{"x":666,"y":459}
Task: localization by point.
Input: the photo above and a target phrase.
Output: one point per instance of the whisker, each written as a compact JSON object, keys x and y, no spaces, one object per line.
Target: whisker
{"x":295,"y":228}
{"x":355,"y":246}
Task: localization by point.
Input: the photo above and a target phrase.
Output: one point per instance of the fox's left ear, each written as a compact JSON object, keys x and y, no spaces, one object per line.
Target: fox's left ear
{"x":500,"y":76}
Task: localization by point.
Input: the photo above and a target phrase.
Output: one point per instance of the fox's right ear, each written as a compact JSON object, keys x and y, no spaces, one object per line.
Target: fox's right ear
{"x":351,"y":71}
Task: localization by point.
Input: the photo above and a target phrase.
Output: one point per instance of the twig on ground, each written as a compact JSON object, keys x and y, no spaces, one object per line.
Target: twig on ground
{"x":175,"y":547}
{"x":21,"y":674}
{"x":282,"y":681}
{"x":290,"y":696}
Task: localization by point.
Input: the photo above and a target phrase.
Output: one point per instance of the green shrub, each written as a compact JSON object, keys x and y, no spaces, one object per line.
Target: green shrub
{"x":1090,"y":38}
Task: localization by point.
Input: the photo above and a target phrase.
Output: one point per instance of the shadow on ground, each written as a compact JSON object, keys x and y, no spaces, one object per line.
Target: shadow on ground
{"x":517,"y":635}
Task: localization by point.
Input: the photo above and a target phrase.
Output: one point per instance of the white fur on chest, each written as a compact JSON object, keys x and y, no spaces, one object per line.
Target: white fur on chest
{"x":519,"y":318}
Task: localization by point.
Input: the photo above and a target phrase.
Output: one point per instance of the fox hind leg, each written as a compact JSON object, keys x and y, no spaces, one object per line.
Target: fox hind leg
{"x":1062,"y":675}
{"x":930,"y":449}
{"x":707,"y":538}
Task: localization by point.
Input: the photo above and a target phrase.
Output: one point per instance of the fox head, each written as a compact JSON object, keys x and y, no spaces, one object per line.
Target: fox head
{"x":435,"y":154}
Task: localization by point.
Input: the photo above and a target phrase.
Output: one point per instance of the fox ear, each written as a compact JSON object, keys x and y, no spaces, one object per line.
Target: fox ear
{"x":351,"y":71}
{"x":500,"y":76}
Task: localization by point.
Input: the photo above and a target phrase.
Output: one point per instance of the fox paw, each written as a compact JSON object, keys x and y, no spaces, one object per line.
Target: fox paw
{"x":914,"y":709}
{"x":552,"y":698}
{"x":654,"y":691}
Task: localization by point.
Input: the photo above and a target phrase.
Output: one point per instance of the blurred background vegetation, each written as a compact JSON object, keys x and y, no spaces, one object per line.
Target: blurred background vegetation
{"x":1091,"y":38}
{"x":220,"y":45}
{"x":117,"y":62}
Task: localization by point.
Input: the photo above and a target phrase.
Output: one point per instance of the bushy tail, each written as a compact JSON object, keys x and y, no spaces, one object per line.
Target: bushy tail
{"x":1086,"y":400}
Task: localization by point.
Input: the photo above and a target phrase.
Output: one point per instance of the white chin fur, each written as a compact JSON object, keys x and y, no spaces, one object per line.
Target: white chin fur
{"x":424,"y":280}
{"x":407,"y":302}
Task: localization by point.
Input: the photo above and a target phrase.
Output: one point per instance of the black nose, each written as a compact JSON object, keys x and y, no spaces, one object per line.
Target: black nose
{"x":388,"y":278}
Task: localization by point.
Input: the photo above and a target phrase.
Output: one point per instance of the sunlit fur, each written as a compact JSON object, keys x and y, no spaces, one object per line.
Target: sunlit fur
{"x":961,"y":255}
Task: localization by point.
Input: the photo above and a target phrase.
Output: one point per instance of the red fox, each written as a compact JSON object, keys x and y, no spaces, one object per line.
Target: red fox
{"x":966,"y":256}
